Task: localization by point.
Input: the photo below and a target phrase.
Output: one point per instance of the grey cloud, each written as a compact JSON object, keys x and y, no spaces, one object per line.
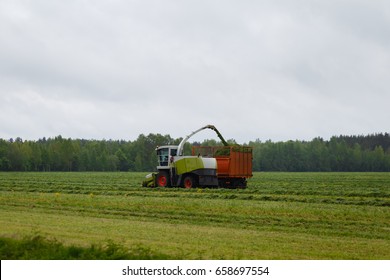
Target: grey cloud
{"x":256,"y":69}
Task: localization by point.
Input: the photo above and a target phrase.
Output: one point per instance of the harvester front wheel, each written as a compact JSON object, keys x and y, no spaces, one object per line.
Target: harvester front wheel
{"x":189,"y":182}
{"x":163,"y":179}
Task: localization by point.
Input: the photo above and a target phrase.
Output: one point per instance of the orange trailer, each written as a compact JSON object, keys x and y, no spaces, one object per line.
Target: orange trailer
{"x":234,"y":163}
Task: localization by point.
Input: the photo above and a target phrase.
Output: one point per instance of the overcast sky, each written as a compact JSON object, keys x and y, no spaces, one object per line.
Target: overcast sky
{"x":271,"y":69}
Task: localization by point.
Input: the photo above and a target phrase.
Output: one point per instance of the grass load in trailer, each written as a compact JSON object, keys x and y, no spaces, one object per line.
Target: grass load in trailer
{"x":234,"y":163}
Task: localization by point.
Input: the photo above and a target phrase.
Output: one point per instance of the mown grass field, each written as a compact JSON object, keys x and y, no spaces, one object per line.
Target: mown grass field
{"x":279,"y":215}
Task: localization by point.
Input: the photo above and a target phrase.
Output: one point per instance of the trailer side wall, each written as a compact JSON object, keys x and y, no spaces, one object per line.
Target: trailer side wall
{"x":232,"y":161}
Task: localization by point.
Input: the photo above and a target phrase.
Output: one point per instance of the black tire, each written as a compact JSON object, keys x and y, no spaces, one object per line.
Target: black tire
{"x":163,"y":179}
{"x":189,"y":182}
{"x":240,"y":183}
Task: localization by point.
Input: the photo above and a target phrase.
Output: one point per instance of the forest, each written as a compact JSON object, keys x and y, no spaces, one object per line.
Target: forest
{"x":363,"y":153}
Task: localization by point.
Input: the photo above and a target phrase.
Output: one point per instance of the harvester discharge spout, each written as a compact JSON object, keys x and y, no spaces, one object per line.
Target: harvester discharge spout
{"x":181,"y":145}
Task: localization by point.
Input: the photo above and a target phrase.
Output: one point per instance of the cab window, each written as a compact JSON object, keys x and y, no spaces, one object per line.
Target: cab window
{"x":163,"y":156}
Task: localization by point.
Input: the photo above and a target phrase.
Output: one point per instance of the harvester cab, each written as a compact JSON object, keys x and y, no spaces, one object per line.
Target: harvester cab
{"x":165,"y":155}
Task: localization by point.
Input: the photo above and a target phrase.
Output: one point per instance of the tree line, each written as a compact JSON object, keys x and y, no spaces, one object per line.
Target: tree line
{"x":371,"y":153}
{"x":340,"y":153}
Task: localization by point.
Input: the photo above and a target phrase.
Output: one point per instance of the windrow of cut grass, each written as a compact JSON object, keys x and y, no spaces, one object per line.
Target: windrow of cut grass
{"x":337,"y":188}
{"x":279,"y":215}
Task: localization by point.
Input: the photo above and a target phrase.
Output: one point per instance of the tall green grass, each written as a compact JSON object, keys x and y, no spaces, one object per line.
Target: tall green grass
{"x":41,"y":248}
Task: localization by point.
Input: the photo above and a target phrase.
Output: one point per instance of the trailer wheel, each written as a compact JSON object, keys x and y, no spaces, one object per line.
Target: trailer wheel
{"x":189,"y":182}
{"x":163,"y":179}
{"x":239,"y":183}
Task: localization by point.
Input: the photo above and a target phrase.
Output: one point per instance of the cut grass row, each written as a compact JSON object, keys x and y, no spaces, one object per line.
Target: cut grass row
{"x":326,"y":219}
{"x":338,"y":188}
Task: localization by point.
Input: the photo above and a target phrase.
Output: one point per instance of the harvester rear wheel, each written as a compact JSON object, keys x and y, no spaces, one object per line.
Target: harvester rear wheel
{"x":163,"y":179}
{"x":189,"y":182}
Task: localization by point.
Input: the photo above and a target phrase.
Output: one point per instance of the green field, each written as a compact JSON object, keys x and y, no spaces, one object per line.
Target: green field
{"x":279,"y":215}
